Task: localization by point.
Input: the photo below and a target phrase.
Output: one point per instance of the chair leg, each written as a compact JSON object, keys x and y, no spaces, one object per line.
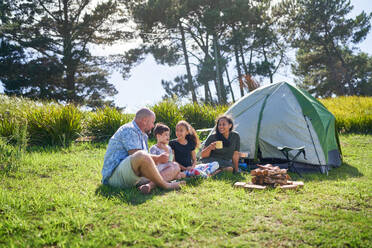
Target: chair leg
{"x":293,"y":168}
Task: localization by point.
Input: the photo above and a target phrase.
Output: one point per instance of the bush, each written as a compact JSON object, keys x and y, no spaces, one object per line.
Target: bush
{"x":170,"y":112}
{"x":12,"y":116}
{"x":352,"y":113}
{"x":202,"y":116}
{"x":103,"y":123}
{"x":54,"y":124}
{"x":167,"y":112}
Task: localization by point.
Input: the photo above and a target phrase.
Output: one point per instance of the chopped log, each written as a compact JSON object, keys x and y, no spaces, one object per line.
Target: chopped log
{"x":266,"y":166}
{"x":269,"y":180}
{"x":289,"y":186}
{"x":254,"y":186}
{"x":277,"y":172}
{"x":239,"y":184}
{"x":279,"y":176}
{"x":255,"y":172}
{"x":298,"y":183}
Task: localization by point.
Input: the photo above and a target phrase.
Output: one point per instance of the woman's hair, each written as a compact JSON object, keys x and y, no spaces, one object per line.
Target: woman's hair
{"x":191,"y":133}
{"x":160,"y":128}
{"x":226,"y":142}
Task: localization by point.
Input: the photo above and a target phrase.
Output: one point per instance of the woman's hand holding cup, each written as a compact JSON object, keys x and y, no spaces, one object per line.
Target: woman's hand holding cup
{"x":212,"y":145}
{"x":219,"y":144}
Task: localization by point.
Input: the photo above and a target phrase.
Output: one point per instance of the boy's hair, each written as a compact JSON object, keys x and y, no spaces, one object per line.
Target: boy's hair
{"x":160,"y":128}
{"x":192,"y":135}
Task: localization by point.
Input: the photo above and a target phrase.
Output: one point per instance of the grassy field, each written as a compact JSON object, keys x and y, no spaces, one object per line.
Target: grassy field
{"x":55,"y":199}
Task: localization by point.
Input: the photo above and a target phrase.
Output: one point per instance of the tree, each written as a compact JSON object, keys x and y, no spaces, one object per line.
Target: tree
{"x":162,"y":29}
{"x":327,"y":64}
{"x":55,"y":38}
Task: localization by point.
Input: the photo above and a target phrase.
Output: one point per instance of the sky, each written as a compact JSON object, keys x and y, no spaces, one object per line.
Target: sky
{"x":144,"y":87}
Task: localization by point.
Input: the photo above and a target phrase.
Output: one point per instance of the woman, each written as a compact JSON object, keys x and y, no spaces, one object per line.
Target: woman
{"x":228,"y":155}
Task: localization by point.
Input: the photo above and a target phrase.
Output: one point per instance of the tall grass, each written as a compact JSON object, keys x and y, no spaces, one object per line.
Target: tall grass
{"x":12,"y":116}
{"x":103,"y":123}
{"x":352,"y":113}
{"x":202,"y":116}
{"x":168,"y":112}
{"x":199,"y":116}
{"x":11,"y":155}
{"x":54,"y":124}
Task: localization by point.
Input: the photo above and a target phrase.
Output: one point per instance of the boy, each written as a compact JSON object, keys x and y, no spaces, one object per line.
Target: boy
{"x":162,"y":134}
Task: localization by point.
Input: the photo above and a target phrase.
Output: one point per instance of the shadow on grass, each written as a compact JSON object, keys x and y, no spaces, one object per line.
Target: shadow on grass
{"x":76,"y":146}
{"x":132,"y":195}
{"x":229,"y":177}
{"x":343,"y":172}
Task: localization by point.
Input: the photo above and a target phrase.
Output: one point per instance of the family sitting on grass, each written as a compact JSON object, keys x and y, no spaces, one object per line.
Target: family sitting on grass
{"x":128,"y":163}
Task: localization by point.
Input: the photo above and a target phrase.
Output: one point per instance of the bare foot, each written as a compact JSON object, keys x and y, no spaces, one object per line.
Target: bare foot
{"x":229,"y":169}
{"x":216,"y":172}
{"x":176,"y":185}
{"x":145,"y":189}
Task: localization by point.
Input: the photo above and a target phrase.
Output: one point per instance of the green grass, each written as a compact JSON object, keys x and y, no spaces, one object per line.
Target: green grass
{"x":55,"y":199}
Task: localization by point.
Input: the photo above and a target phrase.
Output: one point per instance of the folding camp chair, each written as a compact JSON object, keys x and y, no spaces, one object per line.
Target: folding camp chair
{"x":285,"y":150}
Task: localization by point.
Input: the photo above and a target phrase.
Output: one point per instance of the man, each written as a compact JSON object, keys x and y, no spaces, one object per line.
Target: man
{"x":127,"y":160}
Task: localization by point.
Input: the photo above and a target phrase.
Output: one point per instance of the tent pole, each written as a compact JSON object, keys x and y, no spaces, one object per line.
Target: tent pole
{"x":259,"y":127}
{"x":312,"y":140}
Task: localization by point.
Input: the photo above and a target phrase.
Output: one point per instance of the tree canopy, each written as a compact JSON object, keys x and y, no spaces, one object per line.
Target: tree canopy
{"x":46,"y":49}
{"x":47,"y":46}
{"x":327,"y":62}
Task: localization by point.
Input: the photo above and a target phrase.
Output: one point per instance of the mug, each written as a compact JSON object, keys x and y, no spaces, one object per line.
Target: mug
{"x":219,"y":144}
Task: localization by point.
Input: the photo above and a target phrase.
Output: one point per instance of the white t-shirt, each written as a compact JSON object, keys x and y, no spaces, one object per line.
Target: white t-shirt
{"x":157,"y":151}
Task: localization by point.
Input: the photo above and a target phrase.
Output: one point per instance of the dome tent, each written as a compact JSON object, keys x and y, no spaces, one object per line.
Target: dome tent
{"x":282,"y":115}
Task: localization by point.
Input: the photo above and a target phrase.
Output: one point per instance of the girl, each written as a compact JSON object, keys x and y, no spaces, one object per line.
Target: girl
{"x":184,"y":146}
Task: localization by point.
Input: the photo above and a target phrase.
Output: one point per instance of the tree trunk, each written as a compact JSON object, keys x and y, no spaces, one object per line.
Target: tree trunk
{"x":221,"y":92}
{"x":239,"y":70}
{"x":189,"y":77}
{"x":67,"y":56}
{"x":207,"y":93}
{"x":243,"y":60}
{"x":217,"y":81}
{"x":269,"y":70}
{"x":250,"y":62}
{"x":228,"y":80}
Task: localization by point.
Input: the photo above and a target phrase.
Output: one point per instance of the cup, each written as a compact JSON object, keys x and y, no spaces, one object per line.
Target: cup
{"x":243,"y":154}
{"x":219,"y":144}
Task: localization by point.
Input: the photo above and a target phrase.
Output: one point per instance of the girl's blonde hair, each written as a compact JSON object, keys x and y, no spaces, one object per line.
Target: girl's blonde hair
{"x":191,"y":133}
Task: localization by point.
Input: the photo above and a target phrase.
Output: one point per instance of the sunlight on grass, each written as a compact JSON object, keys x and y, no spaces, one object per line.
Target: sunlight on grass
{"x":56,"y":199}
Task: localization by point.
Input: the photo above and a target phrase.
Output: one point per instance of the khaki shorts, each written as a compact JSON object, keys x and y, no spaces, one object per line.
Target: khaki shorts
{"x":124,"y":176}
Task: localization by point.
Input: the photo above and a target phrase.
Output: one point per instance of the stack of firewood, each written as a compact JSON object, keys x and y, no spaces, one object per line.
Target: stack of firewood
{"x":270,"y":175}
